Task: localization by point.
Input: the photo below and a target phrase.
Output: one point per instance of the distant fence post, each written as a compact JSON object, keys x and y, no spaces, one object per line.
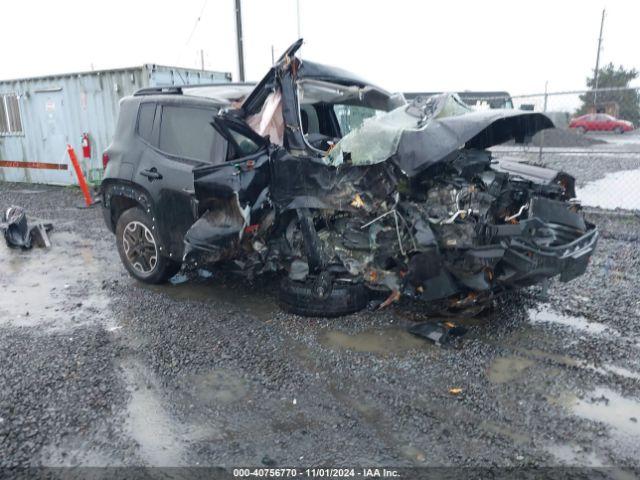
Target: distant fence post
{"x":544,"y":109}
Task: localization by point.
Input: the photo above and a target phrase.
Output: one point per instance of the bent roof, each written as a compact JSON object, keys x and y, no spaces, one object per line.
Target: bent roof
{"x":327,"y":73}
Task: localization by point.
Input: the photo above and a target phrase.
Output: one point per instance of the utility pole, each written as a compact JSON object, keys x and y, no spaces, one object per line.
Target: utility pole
{"x":239,"y":40}
{"x":202,"y":60}
{"x":595,"y":94}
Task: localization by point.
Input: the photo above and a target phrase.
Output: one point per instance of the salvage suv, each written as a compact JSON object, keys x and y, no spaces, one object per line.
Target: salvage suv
{"x":348,"y":191}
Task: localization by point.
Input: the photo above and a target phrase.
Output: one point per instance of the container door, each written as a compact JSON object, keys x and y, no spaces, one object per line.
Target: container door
{"x":49,"y":108}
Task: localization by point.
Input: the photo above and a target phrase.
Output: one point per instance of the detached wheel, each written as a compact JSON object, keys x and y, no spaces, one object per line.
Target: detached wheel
{"x":138,"y":247}
{"x":320,"y":297}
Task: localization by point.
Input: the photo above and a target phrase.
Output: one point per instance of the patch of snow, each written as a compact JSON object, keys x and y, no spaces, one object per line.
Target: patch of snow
{"x":615,"y":190}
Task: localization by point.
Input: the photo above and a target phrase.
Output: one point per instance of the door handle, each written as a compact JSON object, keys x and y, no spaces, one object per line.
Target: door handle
{"x":152,"y":174}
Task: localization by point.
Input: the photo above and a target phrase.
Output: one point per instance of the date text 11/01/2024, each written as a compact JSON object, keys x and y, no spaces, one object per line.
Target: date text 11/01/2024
{"x":316,"y":472}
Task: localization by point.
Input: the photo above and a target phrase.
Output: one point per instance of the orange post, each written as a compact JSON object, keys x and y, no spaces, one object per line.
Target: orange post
{"x":81,"y":181}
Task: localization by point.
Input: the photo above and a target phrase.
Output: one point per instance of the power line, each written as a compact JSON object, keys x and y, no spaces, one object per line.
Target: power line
{"x":193,"y":30}
{"x":197,"y":22}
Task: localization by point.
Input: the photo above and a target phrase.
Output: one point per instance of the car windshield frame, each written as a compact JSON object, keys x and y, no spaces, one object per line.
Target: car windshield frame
{"x":311,"y":92}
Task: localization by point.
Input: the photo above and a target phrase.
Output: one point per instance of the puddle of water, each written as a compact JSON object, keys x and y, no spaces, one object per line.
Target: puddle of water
{"x":615,"y":190}
{"x":73,"y":452}
{"x":258,"y":304}
{"x":507,"y":369}
{"x":558,"y":359}
{"x":568,"y":454}
{"x":26,"y":191}
{"x":148,"y":422}
{"x":218,"y":386}
{"x":379,"y":341}
{"x":293,"y":424}
{"x":546,"y":315}
{"x":616,"y":370}
{"x":609,"y":407}
{"x":564,"y":360}
{"x":48,"y":287}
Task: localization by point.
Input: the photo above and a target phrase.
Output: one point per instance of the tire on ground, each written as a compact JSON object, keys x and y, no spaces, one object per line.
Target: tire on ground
{"x":164,"y":268}
{"x":343,"y":299}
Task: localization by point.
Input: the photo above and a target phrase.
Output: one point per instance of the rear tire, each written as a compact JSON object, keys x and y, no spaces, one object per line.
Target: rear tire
{"x":619,"y":130}
{"x":302,"y":298}
{"x":581,"y":130}
{"x":138,"y":247}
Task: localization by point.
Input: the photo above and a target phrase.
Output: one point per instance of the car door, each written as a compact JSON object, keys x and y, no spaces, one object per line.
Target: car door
{"x":599,"y":122}
{"x":609,"y":122}
{"x":245,"y":171}
{"x":590,"y":122}
{"x":181,"y":139}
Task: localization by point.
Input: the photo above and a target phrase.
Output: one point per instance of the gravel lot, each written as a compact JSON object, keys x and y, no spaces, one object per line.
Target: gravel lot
{"x":100,"y":370}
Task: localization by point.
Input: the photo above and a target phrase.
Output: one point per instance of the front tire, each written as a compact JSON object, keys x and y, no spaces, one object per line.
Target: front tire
{"x":334,"y":299}
{"x":139,"y":248}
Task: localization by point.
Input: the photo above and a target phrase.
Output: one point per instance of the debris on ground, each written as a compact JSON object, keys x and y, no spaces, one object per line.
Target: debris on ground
{"x":178,"y":278}
{"x":455,"y":391}
{"x":203,"y":273}
{"x":438,"y":333}
{"x":19,"y":234}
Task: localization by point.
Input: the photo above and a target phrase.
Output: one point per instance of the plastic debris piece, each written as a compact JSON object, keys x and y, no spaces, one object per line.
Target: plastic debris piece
{"x":19,"y":234}
{"x":204,"y":273}
{"x":178,"y":278}
{"x":455,"y":391}
{"x":431,"y":331}
{"x":438,"y":333}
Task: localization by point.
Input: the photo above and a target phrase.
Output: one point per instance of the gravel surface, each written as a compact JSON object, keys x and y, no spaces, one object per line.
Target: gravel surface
{"x":562,"y":137}
{"x":106,"y":371}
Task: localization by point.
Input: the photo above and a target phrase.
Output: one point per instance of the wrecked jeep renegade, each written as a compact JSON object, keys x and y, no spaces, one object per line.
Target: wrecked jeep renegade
{"x":348,"y":190}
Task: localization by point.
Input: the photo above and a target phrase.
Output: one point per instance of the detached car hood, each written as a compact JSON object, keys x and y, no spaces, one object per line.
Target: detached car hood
{"x":422,"y":133}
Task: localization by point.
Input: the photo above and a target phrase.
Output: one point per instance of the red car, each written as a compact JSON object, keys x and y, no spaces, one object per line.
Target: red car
{"x":600,"y":122}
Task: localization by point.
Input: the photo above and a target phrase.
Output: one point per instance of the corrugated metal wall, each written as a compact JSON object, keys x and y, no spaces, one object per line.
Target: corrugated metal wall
{"x":56,"y":110}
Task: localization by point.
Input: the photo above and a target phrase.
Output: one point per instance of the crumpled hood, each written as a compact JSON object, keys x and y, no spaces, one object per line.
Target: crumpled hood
{"x":422,"y":133}
{"x":419,"y":149}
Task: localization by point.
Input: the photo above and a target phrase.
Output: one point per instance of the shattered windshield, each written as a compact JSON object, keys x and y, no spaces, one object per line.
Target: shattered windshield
{"x":376,"y":138}
{"x":351,"y":117}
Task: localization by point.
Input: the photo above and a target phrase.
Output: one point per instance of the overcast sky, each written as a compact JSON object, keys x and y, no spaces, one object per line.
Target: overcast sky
{"x":401,"y":45}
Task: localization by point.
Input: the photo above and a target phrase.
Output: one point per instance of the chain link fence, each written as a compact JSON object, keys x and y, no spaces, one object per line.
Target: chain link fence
{"x":596,"y":140}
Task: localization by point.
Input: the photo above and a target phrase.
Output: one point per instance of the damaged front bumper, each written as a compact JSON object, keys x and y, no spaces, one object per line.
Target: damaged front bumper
{"x":524,"y":254}
{"x":569,"y":260}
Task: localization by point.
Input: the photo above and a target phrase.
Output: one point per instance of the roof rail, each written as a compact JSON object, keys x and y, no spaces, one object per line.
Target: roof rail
{"x":219,"y":84}
{"x":158,"y":91}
